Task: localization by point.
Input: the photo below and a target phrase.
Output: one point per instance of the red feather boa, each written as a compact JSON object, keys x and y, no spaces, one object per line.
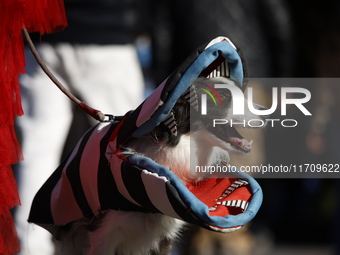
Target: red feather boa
{"x":43,"y":16}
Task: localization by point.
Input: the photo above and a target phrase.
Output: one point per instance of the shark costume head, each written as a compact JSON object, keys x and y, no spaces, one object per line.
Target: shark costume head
{"x":96,"y":178}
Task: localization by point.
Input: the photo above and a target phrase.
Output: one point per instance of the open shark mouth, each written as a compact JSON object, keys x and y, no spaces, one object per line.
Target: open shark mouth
{"x":223,"y":201}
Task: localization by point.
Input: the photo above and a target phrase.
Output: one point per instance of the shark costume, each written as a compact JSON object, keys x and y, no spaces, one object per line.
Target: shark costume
{"x":96,"y":178}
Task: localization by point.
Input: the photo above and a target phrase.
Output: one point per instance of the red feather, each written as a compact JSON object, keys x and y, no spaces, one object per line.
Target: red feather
{"x":43,"y":16}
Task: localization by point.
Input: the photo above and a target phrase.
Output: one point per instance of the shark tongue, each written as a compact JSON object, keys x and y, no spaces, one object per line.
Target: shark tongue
{"x":223,"y":196}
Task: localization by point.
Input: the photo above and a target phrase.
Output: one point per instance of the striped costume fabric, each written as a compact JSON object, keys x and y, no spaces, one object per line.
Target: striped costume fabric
{"x":95,"y":178}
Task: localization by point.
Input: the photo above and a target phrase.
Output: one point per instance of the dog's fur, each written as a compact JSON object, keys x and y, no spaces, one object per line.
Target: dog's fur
{"x":137,"y":233}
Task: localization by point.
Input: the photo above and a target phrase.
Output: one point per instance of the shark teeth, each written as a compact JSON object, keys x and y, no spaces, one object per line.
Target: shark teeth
{"x":232,"y":187}
{"x":232,"y":203}
{"x":221,"y":70}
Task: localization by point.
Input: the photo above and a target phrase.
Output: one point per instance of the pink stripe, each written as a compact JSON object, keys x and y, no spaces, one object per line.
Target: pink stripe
{"x":151,"y":104}
{"x":156,"y":190}
{"x":63,"y":204}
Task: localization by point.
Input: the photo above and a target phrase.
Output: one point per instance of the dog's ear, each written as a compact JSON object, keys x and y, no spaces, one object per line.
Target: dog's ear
{"x":175,"y":124}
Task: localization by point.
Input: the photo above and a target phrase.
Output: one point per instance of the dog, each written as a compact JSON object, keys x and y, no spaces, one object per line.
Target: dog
{"x":195,"y":139}
{"x":130,"y":183}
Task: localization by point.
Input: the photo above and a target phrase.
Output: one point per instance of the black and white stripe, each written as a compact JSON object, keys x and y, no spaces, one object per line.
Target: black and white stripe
{"x":190,"y":95}
{"x":235,"y":203}
{"x":232,"y":187}
{"x":170,"y":123}
{"x":221,"y":71}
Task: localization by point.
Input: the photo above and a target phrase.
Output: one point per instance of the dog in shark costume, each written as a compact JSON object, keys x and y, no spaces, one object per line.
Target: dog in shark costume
{"x":127,"y":187}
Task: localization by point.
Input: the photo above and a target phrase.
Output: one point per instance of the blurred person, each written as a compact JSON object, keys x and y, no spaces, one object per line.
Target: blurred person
{"x":95,"y":58}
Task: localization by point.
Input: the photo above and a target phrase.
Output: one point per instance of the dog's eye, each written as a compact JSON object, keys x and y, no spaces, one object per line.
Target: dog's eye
{"x":224,"y":95}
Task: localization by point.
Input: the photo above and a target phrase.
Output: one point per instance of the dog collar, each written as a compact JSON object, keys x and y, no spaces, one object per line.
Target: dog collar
{"x":96,"y":178}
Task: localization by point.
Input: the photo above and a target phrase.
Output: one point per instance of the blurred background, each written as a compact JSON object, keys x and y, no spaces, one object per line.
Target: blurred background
{"x":278,"y":38}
